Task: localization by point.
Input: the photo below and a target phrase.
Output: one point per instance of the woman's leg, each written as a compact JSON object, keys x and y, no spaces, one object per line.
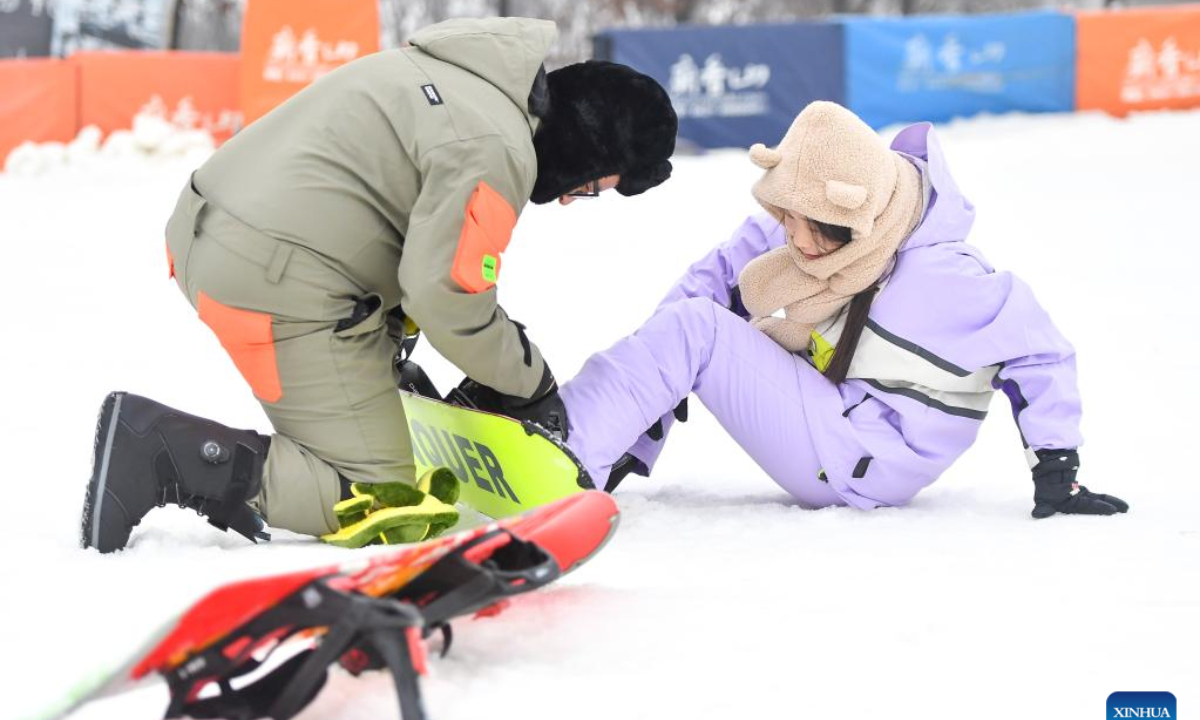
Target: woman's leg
{"x":748,"y":382}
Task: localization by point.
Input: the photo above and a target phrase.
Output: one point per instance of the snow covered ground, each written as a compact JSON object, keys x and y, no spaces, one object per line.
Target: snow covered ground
{"x":718,"y":597}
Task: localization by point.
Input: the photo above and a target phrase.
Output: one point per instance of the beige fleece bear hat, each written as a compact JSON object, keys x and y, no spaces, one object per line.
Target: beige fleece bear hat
{"x":830,"y":166}
{"x":833,"y":168}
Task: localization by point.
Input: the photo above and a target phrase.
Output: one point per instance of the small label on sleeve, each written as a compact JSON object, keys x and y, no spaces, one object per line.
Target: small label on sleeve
{"x":431,"y":94}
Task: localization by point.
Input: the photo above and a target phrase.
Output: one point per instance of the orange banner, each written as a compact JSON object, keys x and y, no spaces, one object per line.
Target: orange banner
{"x":1140,"y":59}
{"x":287,"y":44}
{"x":194,"y":90}
{"x":37,"y":102}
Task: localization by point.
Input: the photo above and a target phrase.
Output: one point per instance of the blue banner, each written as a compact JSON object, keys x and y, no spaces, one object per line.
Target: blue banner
{"x":735,"y":86}
{"x":940,"y":67}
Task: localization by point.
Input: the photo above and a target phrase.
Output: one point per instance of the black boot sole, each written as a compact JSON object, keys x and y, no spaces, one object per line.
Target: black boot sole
{"x":93,"y":504}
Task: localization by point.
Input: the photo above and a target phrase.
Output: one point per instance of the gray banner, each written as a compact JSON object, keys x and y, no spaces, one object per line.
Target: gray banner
{"x":25,"y":27}
{"x":111,"y":25}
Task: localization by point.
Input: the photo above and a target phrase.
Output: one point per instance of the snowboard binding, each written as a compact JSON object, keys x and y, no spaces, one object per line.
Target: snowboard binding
{"x":355,"y":630}
{"x":396,"y":513}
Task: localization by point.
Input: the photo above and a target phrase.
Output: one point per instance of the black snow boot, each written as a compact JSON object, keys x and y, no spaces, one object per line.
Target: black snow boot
{"x":148,"y":455}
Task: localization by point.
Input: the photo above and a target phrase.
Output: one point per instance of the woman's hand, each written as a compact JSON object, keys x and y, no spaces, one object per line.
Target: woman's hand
{"x":1055,"y":489}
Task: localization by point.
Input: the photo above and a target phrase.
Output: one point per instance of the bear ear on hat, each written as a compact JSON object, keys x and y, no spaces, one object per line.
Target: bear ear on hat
{"x":764,"y":157}
{"x":845,"y":195}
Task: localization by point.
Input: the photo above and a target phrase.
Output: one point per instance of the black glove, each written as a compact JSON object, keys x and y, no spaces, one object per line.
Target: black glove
{"x":545,"y":408}
{"x":1055,"y":488}
{"x":626,"y":465}
{"x":656,"y":431}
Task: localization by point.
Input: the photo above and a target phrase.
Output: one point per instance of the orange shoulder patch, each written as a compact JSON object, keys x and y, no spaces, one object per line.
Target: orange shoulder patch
{"x":486,"y":231}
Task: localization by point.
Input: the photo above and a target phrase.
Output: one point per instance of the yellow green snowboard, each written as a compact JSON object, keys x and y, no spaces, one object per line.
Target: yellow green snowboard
{"x":504,"y":466}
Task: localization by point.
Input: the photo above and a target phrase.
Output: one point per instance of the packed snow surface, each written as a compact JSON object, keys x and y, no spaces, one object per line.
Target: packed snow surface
{"x":718,"y":597}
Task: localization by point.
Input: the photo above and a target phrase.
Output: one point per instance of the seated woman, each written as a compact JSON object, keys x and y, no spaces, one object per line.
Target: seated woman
{"x":894,"y":334}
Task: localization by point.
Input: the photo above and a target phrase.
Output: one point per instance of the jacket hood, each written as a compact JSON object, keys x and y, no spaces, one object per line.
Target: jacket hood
{"x":506,"y":52}
{"x":950,"y":215}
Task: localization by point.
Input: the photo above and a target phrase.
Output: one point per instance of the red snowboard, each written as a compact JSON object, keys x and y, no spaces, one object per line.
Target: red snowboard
{"x":368,"y":612}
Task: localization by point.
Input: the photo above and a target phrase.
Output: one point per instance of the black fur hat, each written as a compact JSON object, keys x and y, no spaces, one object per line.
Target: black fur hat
{"x":603,"y":119}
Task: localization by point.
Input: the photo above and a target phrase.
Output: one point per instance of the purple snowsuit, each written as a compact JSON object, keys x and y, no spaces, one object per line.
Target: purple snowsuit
{"x":944,"y":332}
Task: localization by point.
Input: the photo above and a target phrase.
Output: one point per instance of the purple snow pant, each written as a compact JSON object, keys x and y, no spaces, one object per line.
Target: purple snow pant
{"x":750,"y":384}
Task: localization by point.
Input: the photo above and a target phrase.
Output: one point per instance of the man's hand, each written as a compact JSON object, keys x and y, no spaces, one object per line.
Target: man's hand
{"x":546,"y":409}
{"x":1055,"y":489}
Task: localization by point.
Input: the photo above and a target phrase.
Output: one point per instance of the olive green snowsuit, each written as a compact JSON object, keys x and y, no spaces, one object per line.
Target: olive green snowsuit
{"x":391,"y":183}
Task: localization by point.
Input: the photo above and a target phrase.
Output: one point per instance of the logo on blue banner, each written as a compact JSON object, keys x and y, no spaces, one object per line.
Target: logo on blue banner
{"x":937,"y":67}
{"x":735,"y":86}
{"x":718,"y":90}
{"x":1141,"y":705}
{"x":932,"y":63}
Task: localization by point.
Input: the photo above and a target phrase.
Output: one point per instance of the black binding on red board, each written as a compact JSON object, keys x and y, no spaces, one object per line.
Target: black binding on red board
{"x":360,"y":632}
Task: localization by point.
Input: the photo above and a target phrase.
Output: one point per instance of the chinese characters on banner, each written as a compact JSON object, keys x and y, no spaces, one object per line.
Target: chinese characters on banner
{"x":1141,"y":59}
{"x":287,"y":44}
{"x":221,"y":123}
{"x":951,"y":64}
{"x":901,"y":70}
{"x":717,"y":90}
{"x":192,"y":90}
{"x":305,"y":59}
{"x":735,"y":86}
{"x":1162,"y":72}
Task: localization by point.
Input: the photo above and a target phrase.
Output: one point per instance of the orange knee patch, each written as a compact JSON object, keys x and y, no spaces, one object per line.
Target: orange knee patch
{"x":247,"y":337}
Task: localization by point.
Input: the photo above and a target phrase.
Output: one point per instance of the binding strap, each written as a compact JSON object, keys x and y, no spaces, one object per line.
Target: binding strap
{"x":350,"y":619}
{"x":457,"y":586}
{"x":231,"y":512}
{"x":373,"y":622}
{"x":253,"y":700}
{"x":413,"y":379}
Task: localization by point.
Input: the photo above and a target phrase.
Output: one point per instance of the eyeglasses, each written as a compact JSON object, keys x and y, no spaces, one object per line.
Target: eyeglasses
{"x":591,"y":190}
